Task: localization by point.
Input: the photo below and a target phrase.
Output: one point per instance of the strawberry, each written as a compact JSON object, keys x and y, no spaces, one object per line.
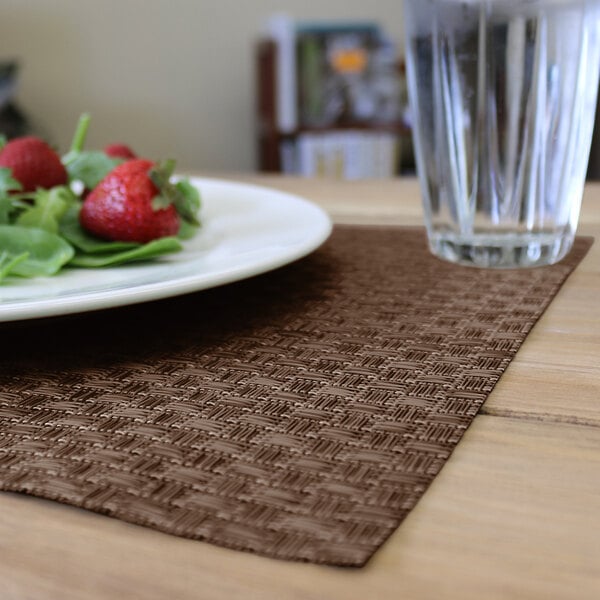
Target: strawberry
{"x":119,"y":151}
{"x":136,"y":202}
{"x":34,"y":164}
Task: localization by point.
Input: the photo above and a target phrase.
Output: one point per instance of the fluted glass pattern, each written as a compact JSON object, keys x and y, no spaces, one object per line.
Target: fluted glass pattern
{"x":503,"y":97}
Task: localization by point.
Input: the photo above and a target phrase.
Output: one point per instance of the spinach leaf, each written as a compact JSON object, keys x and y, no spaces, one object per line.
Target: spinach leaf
{"x":8,"y":261}
{"x":47,"y":209}
{"x":7,"y":184}
{"x":46,"y":252}
{"x":166,"y":245}
{"x":90,"y":167}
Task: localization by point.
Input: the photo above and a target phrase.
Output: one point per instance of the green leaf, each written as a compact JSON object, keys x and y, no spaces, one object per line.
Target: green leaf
{"x":183,"y":195}
{"x":162,"y":246}
{"x":78,"y":141}
{"x":9,"y":261}
{"x":46,"y":252}
{"x":187,"y":230}
{"x":162,"y":172}
{"x":7,"y":182}
{"x":47,"y":209}
{"x":89,"y":167}
{"x":7,"y":202}
{"x":160,"y":202}
{"x":6,"y":209}
{"x":187,"y":202}
{"x":73,"y":232}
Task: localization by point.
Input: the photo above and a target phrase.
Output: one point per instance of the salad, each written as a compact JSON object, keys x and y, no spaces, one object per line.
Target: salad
{"x":88,"y":208}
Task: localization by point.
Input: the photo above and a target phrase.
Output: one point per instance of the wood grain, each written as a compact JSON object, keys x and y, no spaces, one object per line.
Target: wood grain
{"x":515,"y":513}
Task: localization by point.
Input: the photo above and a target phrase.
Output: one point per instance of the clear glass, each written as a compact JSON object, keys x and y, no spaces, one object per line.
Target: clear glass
{"x":503,"y":98}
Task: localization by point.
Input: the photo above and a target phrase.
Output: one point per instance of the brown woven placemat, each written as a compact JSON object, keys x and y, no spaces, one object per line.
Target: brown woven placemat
{"x":300,"y":414}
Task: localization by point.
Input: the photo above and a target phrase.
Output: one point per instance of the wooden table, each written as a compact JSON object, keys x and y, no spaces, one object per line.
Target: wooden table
{"x":515,"y":513}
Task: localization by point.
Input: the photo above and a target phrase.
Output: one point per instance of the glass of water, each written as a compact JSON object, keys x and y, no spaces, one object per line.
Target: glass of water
{"x":503,"y":98}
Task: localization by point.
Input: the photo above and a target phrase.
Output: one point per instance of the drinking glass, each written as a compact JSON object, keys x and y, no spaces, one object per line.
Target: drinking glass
{"x":502,"y":98}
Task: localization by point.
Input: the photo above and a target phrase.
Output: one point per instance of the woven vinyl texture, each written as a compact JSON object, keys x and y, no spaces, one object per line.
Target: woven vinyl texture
{"x":300,"y":414}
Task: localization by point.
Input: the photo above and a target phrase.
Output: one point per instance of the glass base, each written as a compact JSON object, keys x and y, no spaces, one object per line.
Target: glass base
{"x":501,"y":251}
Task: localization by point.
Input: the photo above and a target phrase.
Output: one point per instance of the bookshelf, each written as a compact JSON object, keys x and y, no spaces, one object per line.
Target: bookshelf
{"x":330,"y":101}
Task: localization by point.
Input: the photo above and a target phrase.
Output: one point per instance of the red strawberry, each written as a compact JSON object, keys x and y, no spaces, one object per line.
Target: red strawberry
{"x":33,"y":163}
{"x":119,"y":151}
{"x":120,"y":207}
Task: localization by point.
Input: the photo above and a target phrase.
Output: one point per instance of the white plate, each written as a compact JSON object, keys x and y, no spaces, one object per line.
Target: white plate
{"x":247,"y":230}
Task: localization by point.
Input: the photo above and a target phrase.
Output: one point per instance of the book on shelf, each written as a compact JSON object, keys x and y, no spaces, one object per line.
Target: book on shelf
{"x":344,"y":154}
{"x":334,"y":100}
{"x":346,"y":73}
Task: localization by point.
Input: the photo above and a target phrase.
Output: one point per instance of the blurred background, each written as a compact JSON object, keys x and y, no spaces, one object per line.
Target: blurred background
{"x":170,"y":77}
{"x":179,"y":78}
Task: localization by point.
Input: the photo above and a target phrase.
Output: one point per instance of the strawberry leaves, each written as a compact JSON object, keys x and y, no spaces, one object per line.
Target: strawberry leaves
{"x":182,"y":194}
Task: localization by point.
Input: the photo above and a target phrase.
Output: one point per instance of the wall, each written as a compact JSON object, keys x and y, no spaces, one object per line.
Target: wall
{"x":172,"y":77}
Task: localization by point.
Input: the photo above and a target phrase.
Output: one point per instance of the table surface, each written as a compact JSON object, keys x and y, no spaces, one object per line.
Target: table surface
{"x":515,"y":512}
